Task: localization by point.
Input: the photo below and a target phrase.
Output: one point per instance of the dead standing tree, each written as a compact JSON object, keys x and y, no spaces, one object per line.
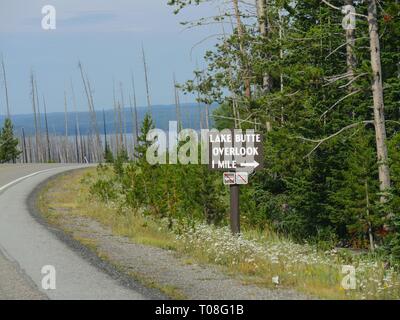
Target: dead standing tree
{"x":49,"y":159}
{"x":97,"y":152}
{"x":350,"y":44}
{"x":66,"y":128}
{"x":146,"y":78}
{"x":378,"y":99}
{"x":34,"y":101}
{"x":177,"y":104}
{"x":379,"y":106}
{"x":241,"y":34}
{"x":135,"y":114}
{"x":123,"y":115}
{"x":263,"y":23}
{"x":3,"y":67}
{"x":78,"y":138}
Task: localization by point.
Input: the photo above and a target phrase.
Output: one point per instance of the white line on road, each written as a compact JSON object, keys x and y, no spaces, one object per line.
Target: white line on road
{"x":8,"y":185}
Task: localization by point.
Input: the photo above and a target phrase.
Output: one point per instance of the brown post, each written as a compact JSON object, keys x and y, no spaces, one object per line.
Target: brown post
{"x":235,"y":210}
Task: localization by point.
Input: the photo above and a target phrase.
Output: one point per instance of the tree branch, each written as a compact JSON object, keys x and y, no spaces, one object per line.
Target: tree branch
{"x":339,"y":101}
{"x":337,"y":8}
{"x":321,"y":141}
{"x":355,"y":78}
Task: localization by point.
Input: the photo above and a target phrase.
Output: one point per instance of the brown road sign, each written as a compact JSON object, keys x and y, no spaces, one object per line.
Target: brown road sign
{"x":235,"y":150}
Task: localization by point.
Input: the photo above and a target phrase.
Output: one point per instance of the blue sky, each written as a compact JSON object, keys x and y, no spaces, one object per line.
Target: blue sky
{"x":107,"y":37}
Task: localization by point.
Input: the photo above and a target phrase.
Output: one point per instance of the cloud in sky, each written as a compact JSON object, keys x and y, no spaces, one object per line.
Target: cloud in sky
{"x":106,"y":36}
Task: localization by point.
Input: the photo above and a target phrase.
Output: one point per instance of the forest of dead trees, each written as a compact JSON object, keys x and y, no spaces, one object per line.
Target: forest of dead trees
{"x":45,"y":146}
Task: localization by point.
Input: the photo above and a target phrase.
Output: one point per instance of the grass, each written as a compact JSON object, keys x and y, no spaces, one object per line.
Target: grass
{"x":255,"y":258}
{"x":74,"y":196}
{"x":170,"y":291}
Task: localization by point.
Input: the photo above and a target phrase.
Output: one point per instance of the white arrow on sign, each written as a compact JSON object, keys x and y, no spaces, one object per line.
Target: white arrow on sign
{"x":254,"y":164}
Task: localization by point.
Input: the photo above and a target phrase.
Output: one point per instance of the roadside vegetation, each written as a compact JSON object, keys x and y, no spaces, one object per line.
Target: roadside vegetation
{"x":256,"y":257}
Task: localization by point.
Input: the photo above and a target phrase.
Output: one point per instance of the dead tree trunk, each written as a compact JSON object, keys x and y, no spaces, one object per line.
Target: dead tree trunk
{"x":240,"y":33}
{"x":350,"y":44}
{"x":5,"y":87}
{"x":263,"y":23}
{"x":368,"y":205}
{"x":136,"y":121}
{"x":177,"y":105}
{"x":25,"y":154}
{"x":66,"y":127}
{"x":377,"y":90}
{"x":117,"y":129}
{"x":33,"y":93}
{"x":40,"y":155}
{"x":92,"y":112}
{"x":47,"y":131}
{"x":77,"y":126}
{"x":106,"y":150}
{"x":146,"y":78}
{"x":122,"y":111}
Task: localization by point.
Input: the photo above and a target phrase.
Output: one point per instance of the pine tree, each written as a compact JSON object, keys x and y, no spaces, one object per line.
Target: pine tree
{"x":354,"y":202}
{"x":108,"y":155}
{"x":143,"y":144}
{"x":8,"y":143}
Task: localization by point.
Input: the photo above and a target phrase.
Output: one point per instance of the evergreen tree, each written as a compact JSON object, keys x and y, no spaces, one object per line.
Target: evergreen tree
{"x":8,"y":143}
{"x":108,"y":155}
{"x":143,"y":144}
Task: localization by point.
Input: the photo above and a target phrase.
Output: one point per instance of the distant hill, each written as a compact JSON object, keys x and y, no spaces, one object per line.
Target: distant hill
{"x":162,"y":114}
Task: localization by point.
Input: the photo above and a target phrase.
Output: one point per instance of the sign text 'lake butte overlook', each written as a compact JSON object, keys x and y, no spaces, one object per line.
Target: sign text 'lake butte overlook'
{"x":236,"y":150}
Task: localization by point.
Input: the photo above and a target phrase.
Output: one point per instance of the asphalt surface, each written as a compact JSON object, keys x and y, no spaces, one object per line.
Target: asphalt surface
{"x":26,"y":246}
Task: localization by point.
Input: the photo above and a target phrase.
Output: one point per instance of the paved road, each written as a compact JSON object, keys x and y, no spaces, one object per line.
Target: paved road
{"x":26,"y":247}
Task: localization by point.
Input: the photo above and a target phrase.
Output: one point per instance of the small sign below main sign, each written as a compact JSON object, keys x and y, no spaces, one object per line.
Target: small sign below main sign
{"x":229,"y":178}
{"x":242,"y":178}
{"x":235,"y":150}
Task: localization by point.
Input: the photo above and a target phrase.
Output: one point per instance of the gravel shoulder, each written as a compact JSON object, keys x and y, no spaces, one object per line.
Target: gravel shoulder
{"x":177,"y":276}
{"x":14,"y":284}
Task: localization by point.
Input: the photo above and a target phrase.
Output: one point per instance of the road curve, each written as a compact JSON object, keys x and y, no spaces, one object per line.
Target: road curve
{"x":26,"y":247}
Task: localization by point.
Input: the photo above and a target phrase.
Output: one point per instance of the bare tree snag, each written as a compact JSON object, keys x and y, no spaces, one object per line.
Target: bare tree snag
{"x":240,"y":32}
{"x":66,"y":126}
{"x":146,"y":78}
{"x":89,"y":96}
{"x":47,"y":131}
{"x":136,"y":122}
{"x":177,"y":104}
{"x":5,"y":86}
{"x":77,"y":127}
{"x":263,"y":23}
{"x":350,"y":44}
{"x":33,"y":94}
{"x":377,"y":90}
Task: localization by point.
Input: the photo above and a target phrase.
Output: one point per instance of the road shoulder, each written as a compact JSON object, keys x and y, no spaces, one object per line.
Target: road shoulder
{"x":177,"y":276}
{"x":14,"y":284}
{"x":86,"y":252}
